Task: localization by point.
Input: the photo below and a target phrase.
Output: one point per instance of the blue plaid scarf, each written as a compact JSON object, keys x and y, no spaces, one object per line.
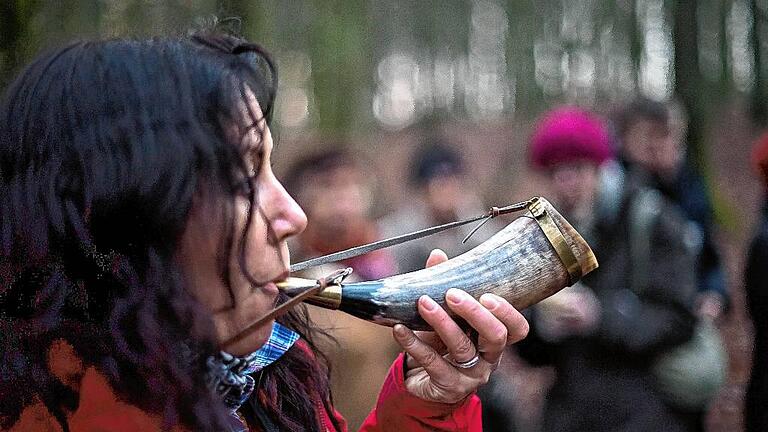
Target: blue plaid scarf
{"x":230,"y":376}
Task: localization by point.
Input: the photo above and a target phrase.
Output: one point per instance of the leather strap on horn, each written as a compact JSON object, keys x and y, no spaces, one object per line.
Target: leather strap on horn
{"x":556,"y":239}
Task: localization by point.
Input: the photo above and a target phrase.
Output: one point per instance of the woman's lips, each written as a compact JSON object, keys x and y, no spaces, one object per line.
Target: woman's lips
{"x":271,"y":288}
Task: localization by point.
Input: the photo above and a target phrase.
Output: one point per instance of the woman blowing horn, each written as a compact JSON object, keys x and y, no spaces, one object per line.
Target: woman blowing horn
{"x":141,"y":226}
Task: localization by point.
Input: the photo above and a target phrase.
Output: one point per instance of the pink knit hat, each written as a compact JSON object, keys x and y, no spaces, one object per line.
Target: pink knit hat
{"x":568,"y":134}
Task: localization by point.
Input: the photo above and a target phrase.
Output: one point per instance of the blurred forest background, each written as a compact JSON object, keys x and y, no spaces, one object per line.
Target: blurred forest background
{"x":378,"y":76}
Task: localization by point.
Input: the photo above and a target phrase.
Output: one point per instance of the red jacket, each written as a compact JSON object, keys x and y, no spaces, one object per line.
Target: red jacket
{"x":100,"y":410}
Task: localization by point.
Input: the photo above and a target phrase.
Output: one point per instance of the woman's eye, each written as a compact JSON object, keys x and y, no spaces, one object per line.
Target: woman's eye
{"x":247,"y":185}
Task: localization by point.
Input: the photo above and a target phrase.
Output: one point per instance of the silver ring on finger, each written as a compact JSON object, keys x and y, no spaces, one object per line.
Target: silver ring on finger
{"x":467,"y":364}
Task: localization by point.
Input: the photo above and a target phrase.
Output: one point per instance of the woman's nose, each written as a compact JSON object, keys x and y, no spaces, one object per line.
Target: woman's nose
{"x":284,"y":214}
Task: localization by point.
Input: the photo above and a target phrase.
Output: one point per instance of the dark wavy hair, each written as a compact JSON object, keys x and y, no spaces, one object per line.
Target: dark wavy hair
{"x":103,"y":146}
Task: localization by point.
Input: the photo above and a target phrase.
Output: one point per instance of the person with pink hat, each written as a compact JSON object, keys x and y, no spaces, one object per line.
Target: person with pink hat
{"x":603,"y":336}
{"x":570,"y":145}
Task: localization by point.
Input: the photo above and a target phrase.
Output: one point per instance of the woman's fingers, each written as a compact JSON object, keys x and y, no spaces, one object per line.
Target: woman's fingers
{"x":497,"y":323}
{"x":459,"y":346}
{"x":430,"y":338}
{"x":516,"y":324}
{"x":492,"y":334}
{"x":424,"y":355}
{"x":436,"y":256}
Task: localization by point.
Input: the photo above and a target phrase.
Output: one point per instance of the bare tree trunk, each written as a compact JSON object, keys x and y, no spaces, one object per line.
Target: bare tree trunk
{"x":726,"y":77}
{"x":10,"y":36}
{"x":635,"y":42}
{"x":688,"y":80}
{"x":759,"y":96}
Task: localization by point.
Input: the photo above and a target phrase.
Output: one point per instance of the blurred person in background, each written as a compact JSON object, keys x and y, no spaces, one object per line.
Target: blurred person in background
{"x":756,"y":286}
{"x":603,"y":335}
{"x":443,"y":194}
{"x":336,"y":194}
{"x":652,"y":137}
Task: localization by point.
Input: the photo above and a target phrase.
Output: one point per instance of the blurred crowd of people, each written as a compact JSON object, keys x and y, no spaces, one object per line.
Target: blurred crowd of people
{"x":634,"y":346}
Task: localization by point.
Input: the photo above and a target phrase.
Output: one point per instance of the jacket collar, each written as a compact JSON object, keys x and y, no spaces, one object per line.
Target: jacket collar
{"x":230,"y":376}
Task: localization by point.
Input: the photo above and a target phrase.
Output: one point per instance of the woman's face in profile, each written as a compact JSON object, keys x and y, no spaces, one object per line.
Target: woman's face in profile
{"x":276,"y":218}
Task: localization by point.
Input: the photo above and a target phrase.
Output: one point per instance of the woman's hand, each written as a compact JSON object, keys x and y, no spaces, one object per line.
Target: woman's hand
{"x":435,"y":359}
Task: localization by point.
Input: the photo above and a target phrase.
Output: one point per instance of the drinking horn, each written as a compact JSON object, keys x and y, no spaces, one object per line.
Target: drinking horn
{"x":533,"y":257}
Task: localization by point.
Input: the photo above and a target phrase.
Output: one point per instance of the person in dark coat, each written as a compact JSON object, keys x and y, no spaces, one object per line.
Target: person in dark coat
{"x":756,"y":284}
{"x":602,"y":336}
{"x":652,"y":137}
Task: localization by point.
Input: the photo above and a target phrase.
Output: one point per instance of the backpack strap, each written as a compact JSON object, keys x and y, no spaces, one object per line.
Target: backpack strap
{"x":644,"y":211}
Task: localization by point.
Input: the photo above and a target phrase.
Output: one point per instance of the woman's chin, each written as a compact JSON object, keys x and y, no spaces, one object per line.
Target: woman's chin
{"x":255,"y":340}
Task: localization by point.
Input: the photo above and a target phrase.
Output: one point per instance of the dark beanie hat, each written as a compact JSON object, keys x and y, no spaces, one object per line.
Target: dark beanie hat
{"x":569,"y":134}
{"x":436,"y":160}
